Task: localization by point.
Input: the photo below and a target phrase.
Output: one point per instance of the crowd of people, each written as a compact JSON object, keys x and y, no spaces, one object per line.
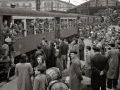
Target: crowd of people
{"x":102,"y":60}
{"x":37,"y":26}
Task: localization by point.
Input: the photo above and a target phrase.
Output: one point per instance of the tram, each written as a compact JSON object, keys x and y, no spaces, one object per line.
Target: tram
{"x":28,"y":27}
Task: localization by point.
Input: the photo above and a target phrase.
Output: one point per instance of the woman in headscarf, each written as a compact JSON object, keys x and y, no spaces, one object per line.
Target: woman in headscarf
{"x":24,"y":72}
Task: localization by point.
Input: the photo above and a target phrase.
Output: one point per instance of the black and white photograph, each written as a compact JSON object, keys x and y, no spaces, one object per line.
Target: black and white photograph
{"x":59,"y":44}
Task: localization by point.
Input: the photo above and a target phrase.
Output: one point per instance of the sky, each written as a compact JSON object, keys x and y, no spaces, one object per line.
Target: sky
{"x":76,"y":2}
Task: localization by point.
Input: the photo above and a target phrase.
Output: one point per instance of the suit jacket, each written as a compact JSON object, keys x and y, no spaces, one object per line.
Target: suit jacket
{"x":63,"y":50}
{"x":98,"y":63}
{"x":47,"y":51}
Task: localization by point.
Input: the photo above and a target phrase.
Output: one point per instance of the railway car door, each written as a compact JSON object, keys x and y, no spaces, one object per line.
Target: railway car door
{"x":57,"y":27}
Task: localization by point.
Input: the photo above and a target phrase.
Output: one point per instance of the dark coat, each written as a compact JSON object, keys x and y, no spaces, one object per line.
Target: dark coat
{"x":98,"y":63}
{"x":47,"y":51}
{"x":81,"y":50}
{"x":63,"y":50}
{"x":52,"y":57}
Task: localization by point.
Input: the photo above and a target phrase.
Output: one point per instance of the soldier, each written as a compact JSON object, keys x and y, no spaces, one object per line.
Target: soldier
{"x":5,"y":57}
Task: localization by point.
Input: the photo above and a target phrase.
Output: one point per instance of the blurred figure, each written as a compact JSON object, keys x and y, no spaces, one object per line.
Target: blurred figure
{"x":81,"y":48}
{"x":76,"y":47}
{"x":112,"y":74}
{"x":63,"y":51}
{"x":58,"y":61}
{"x":24,"y":72}
{"x":6,"y":57}
{"x":47,"y":51}
{"x":52,"y":56}
{"x":75,"y":72}
{"x":40,"y":79}
{"x":99,"y":67}
{"x":39,"y":62}
{"x":89,"y":55}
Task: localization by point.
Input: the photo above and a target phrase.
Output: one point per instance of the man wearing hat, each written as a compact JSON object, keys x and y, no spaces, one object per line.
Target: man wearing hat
{"x":99,"y":67}
{"x":112,"y":74}
{"x":5,"y":57}
{"x":75,"y":72}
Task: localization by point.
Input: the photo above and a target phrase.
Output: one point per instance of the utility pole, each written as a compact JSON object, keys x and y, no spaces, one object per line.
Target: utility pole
{"x":38,"y":2}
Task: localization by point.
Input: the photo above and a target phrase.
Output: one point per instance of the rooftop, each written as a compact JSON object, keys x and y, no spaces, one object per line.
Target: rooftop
{"x":35,"y":0}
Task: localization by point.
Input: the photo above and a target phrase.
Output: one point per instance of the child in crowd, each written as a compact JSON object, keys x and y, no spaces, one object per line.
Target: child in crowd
{"x":40,"y":79}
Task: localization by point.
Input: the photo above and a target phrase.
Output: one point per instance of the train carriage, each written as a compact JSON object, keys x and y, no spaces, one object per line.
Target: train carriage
{"x":28,"y":27}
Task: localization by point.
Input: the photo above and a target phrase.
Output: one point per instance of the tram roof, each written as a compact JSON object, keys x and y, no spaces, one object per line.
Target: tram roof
{"x":25,"y":12}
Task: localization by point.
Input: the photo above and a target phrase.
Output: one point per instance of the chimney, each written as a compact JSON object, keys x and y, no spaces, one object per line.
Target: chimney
{"x":69,"y":1}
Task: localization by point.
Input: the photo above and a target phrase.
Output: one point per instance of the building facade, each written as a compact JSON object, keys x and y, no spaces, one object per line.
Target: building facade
{"x":45,"y":5}
{"x":92,"y":6}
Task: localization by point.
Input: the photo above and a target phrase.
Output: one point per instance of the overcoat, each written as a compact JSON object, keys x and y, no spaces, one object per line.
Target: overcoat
{"x":81,"y":50}
{"x":75,"y":75}
{"x":119,"y":79}
{"x":113,"y":56}
{"x":98,"y":63}
{"x":24,"y":72}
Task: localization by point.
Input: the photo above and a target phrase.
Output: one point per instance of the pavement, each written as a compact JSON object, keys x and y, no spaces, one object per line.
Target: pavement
{"x":12,"y":85}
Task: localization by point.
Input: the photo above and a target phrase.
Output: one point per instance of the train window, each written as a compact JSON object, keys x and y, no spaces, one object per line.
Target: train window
{"x":39,"y":25}
{"x":18,"y":27}
{"x":51,"y":24}
{"x":46,"y":25}
{"x":62,"y":24}
{"x":30,"y":26}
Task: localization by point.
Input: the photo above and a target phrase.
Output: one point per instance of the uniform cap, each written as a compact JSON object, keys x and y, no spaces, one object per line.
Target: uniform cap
{"x":8,"y":40}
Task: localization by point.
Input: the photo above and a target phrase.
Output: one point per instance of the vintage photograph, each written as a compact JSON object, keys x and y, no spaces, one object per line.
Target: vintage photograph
{"x":59,"y":45}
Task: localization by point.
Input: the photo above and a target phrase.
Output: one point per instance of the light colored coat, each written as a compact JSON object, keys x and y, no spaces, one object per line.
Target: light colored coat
{"x":89,"y":55}
{"x":113,"y":56}
{"x":24,"y":72}
{"x":75,"y":75}
{"x":119,"y":79}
